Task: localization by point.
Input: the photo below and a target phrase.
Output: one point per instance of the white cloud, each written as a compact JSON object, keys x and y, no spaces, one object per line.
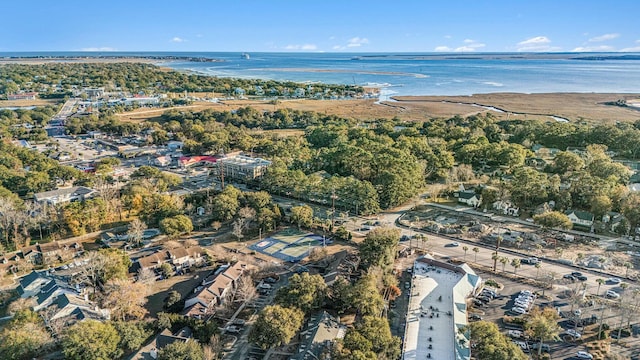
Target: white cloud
{"x":442,"y":49}
{"x":177,"y":39}
{"x":468,"y":41}
{"x":631,"y":49}
{"x":604,"y":37}
{"x":357,"y":42}
{"x":104,"y":48}
{"x":593,"y":48}
{"x":301,"y":47}
{"x":538,"y":43}
{"x":470,"y":45}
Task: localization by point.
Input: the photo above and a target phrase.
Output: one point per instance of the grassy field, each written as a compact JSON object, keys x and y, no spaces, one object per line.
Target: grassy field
{"x":572,"y":106}
{"x":21,"y":103}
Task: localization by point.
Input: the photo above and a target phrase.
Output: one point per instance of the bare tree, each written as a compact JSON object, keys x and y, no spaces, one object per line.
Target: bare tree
{"x":246,"y":291}
{"x":172,"y":244}
{"x":21,"y":304}
{"x":125,"y":299}
{"x":145,"y":275}
{"x":213,"y":350}
{"x":190,"y":242}
{"x":238,"y":226}
{"x":136,"y":231}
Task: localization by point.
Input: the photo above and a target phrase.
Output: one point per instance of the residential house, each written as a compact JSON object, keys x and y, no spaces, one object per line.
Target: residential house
{"x":23,"y":96}
{"x":612,"y":220}
{"x":580,"y":218}
{"x":175,"y":145}
{"x":179,"y":258}
{"x":319,"y":336}
{"x":64,"y":195}
{"x":214,"y":289}
{"x":506,"y":208}
{"x":59,"y":298}
{"x":469,"y":197}
{"x":162,"y":161}
{"x":150,"y":351}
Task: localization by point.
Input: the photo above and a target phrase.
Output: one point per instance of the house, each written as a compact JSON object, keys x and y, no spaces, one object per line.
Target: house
{"x":318,"y":337}
{"x":469,"y":197}
{"x":506,"y":208}
{"x":180,"y":258}
{"x":150,"y":350}
{"x":175,"y":145}
{"x":61,"y":300}
{"x":580,"y":218}
{"x":64,"y":195}
{"x":162,"y":161}
{"x":214,"y":289}
{"x":23,"y":96}
{"x":188,"y":161}
{"x":612,"y":220}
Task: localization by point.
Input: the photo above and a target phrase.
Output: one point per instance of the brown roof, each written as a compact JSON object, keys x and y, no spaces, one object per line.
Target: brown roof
{"x":150,"y":261}
{"x":219,"y":285}
{"x":235,"y":271}
{"x":195,"y":251}
{"x":48,"y":247}
{"x":195,"y":310}
{"x":177,"y":253}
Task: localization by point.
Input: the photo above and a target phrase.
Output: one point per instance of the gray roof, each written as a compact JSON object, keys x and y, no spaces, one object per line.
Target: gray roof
{"x":466,"y":194}
{"x":582,"y":215}
{"x":75,"y":190}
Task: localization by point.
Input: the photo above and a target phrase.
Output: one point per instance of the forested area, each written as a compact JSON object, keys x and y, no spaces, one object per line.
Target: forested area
{"x":136,"y":77}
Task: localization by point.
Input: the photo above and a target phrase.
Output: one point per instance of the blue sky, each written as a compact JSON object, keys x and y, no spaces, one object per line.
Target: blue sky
{"x":321,"y":25}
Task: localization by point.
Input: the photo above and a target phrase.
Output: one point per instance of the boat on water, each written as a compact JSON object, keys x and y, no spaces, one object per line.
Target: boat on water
{"x":245,"y":56}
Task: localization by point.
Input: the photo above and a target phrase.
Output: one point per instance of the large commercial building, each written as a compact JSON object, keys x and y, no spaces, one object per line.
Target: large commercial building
{"x":437,"y":313}
{"x":243,"y":167}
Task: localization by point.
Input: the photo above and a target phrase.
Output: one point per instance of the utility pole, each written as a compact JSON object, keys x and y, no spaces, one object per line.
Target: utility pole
{"x":333,"y":208}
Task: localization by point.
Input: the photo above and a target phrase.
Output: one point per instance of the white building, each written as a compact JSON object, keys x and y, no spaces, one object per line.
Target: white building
{"x":469,"y":197}
{"x":580,"y":218}
{"x":438,"y":311}
{"x":75,"y":193}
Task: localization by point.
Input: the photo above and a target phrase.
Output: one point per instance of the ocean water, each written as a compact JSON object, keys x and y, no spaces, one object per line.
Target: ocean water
{"x":421,"y":74}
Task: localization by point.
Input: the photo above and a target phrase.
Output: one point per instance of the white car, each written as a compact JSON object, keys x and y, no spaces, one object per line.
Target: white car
{"x":584,"y":355}
{"x":518,"y":310}
{"x":574,"y":334}
{"x":611,"y":294}
{"x":515,"y":333}
{"x":454,"y":244}
{"x":523,"y":345}
{"x":614,"y":281}
{"x":577,"y":312}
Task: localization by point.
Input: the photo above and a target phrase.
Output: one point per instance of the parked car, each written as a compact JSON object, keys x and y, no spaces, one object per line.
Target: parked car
{"x":477,"y":302}
{"x":614,"y":281}
{"x":475,"y":317}
{"x":574,"y":334}
{"x":584,"y":355}
{"x":515,"y":333}
{"x":518,"y":310}
{"x":453,"y":244}
{"x":530,"y":261}
{"x":523,"y":345}
{"x":545,"y":347}
{"x":569,"y":277}
{"x":611,"y":294}
{"x":407,"y":285}
{"x":484,"y":299}
{"x":233,"y":329}
{"x":577,"y":312}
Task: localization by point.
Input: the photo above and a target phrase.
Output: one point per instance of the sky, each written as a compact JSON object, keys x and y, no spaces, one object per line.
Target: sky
{"x":321,"y":25}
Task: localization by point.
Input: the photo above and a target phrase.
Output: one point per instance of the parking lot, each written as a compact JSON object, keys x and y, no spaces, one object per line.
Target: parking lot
{"x":511,"y":296}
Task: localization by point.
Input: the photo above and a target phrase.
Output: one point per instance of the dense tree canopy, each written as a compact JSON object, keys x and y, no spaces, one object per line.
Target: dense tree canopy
{"x":491,"y":344}
{"x":304,"y":291}
{"x":91,"y":340}
{"x":275,"y":326}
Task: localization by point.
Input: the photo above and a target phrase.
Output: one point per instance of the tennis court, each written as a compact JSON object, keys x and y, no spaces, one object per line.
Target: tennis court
{"x":289,"y":244}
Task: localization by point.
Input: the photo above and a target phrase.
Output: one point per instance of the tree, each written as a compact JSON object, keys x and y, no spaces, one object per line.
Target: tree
{"x":553,"y":219}
{"x":24,"y":337}
{"x":495,"y":257}
{"x":302,"y":216}
{"x":365,"y":296}
{"x":600,"y":281}
{"x":538,"y":265}
{"x":176,"y":225}
{"x":172,"y":301}
{"x":491,"y":344}
{"x":504,"y":261}
{"x":91,"y":340}
{"x":516,"y":264}
{"x":125,"y":299}
{"x":543,"y":325}
{"x":166,"y":270}
{"x":628,"y":266}
{"x":132,"y":334}
{"x":246,"y":291}
{"x":189,"y":350}
{"x":476,"y":250}
{"x":370,"y":339}
{"x":567,"y":162}
{"x":136,"y":231}
{"x":306,"y":292}
{"x":379,"y":247}
{"x":600,"y":205}
{"x":104,"y":265}
{"x":275,"y":326}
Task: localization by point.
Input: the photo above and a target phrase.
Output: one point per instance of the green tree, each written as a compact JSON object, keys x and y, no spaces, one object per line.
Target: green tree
{"x":379,"y":247}
{"x":600,"y":281}
{"x":132,"y":334}
{"x":516,"y":264}
{"x":365,"y":296}
{"x":465,"y":249}
{"x":491,"y":344}
{"x":543,"y":325}
{"x":91,"y":340}
{"x":24,"y":337}
{"x":370,"y":339}
{"x":302,"y":216}
{"x":176,"y":225}
{"x":166,"y":270}
{"x":600,"y":205}
{"x":189,"y":350}
{"x":553,"y":219}
{"x":475,"y":250}
{"x":275,"y":326}
{"x":306,"y":292}
{"x":567,"y":162}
